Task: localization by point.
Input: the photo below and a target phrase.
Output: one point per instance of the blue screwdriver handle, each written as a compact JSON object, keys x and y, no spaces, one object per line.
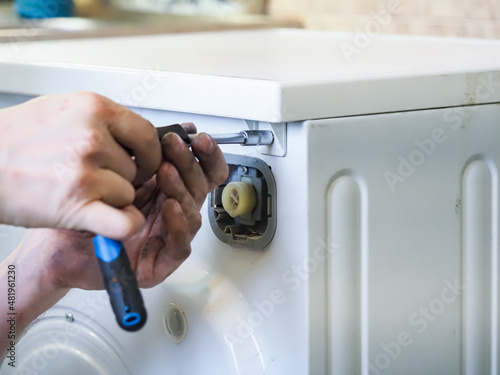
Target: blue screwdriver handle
{"x":121,"y":284}
{"x":119,"y":279}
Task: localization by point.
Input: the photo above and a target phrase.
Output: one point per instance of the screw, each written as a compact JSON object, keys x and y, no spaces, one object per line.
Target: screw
{"x":244,"y":170}
{"x":175,"y":322}
{"x":69,"y":317}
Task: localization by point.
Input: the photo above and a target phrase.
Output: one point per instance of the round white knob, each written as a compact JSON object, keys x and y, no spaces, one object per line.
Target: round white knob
{"x":239,"y":198}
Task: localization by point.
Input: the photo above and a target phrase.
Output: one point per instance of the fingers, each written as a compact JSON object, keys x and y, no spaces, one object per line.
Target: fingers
{"x":210,"y":159}
{"x":131,"y":131}
{"x":177,"y":226}
{"x":196,"y":179}
{"x":114,"y":157}
{"x":146,"y":272}
{"x":113,"y":189}
{"x":144,"y":195}
{"x":162,"y":254}
{"x":173,"y":186}
{"x":118,"y":224}
{"x":189,"y":127}
{"x":185,"y":178}
{"x":191,"y":173}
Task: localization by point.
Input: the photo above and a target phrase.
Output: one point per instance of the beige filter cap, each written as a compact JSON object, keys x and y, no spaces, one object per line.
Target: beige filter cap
{"x":239,"y":198}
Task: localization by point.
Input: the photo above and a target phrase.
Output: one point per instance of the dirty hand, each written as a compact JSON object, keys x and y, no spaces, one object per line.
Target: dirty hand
{"x":63,"y":164}
{"x":170,"y":201}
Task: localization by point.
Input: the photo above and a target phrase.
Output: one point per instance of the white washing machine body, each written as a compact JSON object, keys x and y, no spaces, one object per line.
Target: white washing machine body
{"x":385,"y":256}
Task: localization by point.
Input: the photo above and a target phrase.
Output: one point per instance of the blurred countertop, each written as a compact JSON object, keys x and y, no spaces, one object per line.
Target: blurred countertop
{"x":115,"y":22}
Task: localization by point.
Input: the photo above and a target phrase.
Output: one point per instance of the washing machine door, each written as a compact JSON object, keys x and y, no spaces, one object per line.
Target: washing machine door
{"x":64,"y":341}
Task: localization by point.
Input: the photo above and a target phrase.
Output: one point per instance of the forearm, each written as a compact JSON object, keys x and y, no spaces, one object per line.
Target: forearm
{"x":26,"y":290}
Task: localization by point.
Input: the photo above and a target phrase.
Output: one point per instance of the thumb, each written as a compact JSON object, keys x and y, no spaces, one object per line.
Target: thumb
{"x":114,"y":223}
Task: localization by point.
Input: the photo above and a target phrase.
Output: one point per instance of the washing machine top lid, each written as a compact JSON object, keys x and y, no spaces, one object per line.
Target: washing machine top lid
{"x":268,"y":75}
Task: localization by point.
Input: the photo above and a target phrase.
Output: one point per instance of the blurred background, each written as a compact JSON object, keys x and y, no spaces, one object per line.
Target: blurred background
{"x":461,"y":18}
{"x":454,"y":18}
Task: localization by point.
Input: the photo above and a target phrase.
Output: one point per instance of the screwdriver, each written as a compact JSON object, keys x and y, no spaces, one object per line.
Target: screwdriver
{"x":244,"y":138}
{"x":119,"y":279}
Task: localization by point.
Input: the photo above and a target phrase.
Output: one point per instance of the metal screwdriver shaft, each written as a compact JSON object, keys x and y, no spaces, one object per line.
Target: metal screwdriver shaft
{"x":244,"y":138}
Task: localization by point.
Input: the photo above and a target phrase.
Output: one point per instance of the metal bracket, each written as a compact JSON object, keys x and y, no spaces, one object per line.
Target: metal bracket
{"x":278,"y":148}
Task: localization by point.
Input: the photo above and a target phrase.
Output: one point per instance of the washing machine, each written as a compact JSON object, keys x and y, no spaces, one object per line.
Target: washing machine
{"x":374,"y":247}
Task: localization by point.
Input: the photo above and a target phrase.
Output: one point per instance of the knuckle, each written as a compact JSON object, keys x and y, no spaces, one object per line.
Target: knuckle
{"x":90,"y":102}
{"x":128,"y":193}
{"x":168,"y":173}
{"x":164,"y":168}
{"x":222,"y":175}
{"x":123,"y":228}
{"x":195,"y":223}
{"x":166,"y":208}
{"x":151,"y":136}
{"x":82,"y":181}
{"x":200,"y":194}
{"x":91,"y":143}
{"x":219,"y":177}
{"x":145,"y":279}
{"x":131,"y":172}
{"x":187,"y":251}
{"x":161,"y":176}
{"x":183,"y":253}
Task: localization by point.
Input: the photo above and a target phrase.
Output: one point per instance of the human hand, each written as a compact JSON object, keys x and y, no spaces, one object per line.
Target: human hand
{"x":171,"y":203}
{"x":63,"y":164}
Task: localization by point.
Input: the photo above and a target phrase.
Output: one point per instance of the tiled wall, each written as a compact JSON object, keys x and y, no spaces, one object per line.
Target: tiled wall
{"x":462,"y":18}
